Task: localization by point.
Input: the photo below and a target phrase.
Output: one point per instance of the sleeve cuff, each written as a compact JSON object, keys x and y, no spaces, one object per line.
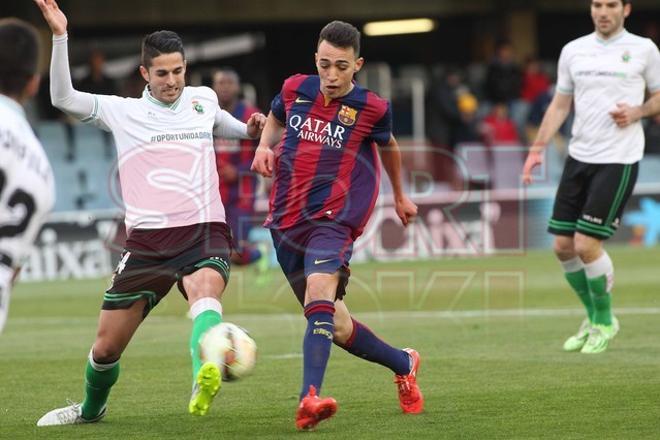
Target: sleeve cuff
{"x":58,"y":38}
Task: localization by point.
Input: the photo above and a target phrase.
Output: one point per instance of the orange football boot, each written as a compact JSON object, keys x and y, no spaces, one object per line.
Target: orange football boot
{"x":411,"y":399}
{"x":314,"y":409}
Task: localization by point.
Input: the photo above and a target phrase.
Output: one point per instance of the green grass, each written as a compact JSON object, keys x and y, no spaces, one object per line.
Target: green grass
{"x":499,"y":374}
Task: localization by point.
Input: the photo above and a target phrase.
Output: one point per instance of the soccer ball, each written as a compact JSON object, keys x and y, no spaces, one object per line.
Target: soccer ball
{"x":231,"y":348}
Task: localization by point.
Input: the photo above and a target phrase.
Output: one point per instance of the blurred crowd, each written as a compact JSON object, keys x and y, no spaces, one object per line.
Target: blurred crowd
{"x":504,"y":108}
{"x":502,"y":105}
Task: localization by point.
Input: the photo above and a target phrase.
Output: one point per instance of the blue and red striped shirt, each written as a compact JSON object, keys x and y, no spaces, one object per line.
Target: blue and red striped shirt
{"x":240,"y":193}
{"x":326,"y":164}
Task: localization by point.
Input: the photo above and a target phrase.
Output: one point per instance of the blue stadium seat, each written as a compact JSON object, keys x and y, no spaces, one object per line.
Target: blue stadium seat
{"x":649,"y":169}
{"x":84,"y":181}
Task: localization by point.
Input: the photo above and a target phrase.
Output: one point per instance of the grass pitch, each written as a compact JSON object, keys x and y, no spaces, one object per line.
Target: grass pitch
{"x":489,"y":330}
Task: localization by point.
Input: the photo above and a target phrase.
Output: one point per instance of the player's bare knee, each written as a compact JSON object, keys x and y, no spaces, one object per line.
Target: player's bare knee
{"x":321,"y":287}
{"x":203,"y":283}
{"x":564,"y":248}
{"x":105,"y":351}
{"x":317,"y":291}
{"x":317,"y":295}
{"x":588,"y":248}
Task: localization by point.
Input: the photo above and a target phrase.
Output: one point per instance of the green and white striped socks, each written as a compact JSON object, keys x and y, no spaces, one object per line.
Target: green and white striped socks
{"x":206,"y":312}
{"x":577,"y":278}
{"x":600,"y":276}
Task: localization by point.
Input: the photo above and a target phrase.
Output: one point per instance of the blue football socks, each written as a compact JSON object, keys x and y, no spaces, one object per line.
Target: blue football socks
{"x":317,"y":343}
{"x":365,"y":344}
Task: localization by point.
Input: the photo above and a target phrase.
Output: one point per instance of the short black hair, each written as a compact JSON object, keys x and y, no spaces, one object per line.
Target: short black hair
{"x":158,"y":43}
{"x":229,"y":72}
{"x":624,"y":2}
{"x":19,"y":55}
{"x":341,"y":34}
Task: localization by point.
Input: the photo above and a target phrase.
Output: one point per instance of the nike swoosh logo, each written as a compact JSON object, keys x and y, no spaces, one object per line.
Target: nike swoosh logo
{"x":322,"y":261}
{"x":302,"y":101}
{"x":322,"y":323}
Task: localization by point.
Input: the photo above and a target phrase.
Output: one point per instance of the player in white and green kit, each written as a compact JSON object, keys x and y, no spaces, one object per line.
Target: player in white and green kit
{"x":605,"y":75}
{"x":173,"y":212}
{"x":27,"y":188}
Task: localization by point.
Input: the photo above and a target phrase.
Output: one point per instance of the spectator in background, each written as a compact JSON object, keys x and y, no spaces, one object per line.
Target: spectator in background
{"x":535,"y":81}
{"x":503,"y":77}
{"x":97,"y":82}
{"x":536,"y":111}
{"x":133,"y":85}
{"x":444,"y":121}
{"x":554,"y":156}
{"x":504,"y":83}
{"x":468,"y":128}
{"x":468,"y":135}
{"x":498,"y":128}
{"x":237,"y":183}
{"x":535,"y":117}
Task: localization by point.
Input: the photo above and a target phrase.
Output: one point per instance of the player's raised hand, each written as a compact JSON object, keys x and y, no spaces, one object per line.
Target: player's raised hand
{"x":534,"y":159}
{"x":54,"y":16}
{"x":405,"y":209}
{"x":255,"y":125}
{"x":625,"y":115}
{"x":263,"y":162}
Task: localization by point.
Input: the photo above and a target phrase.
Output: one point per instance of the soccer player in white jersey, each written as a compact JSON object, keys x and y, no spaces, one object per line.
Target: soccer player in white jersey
{"x":27,"y":188}
{"x":605,"y":75}
{"x":174,"y":215}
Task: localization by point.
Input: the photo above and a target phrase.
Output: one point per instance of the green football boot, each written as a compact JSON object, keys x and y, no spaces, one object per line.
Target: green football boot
{"x":600,"y":336}
{"x":205,"y":388}
{"x":577,"y":341}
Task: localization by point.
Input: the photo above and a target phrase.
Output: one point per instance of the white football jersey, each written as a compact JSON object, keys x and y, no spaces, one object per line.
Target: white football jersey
{"x":599,"y":74}
{"x":27,"y":185}
{"x":166,"y":160}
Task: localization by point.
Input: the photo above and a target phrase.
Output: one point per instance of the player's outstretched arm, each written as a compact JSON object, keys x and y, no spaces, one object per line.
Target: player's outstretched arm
{"x":264,"y":158}
{"x":228,"y":127}
{"x":62,"y":93}
{"x":390,"y":154}
{"x":556,"y":114}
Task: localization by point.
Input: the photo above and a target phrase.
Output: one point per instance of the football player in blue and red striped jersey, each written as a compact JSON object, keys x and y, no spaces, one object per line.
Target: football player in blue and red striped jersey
{"x":327,"y":132}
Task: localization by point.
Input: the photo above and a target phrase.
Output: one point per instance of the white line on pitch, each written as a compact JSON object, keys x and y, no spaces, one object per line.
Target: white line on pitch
{"x":403,"y":314}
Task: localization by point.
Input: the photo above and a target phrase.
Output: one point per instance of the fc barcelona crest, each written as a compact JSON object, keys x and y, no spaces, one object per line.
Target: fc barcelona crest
{"x":347,"y":115}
